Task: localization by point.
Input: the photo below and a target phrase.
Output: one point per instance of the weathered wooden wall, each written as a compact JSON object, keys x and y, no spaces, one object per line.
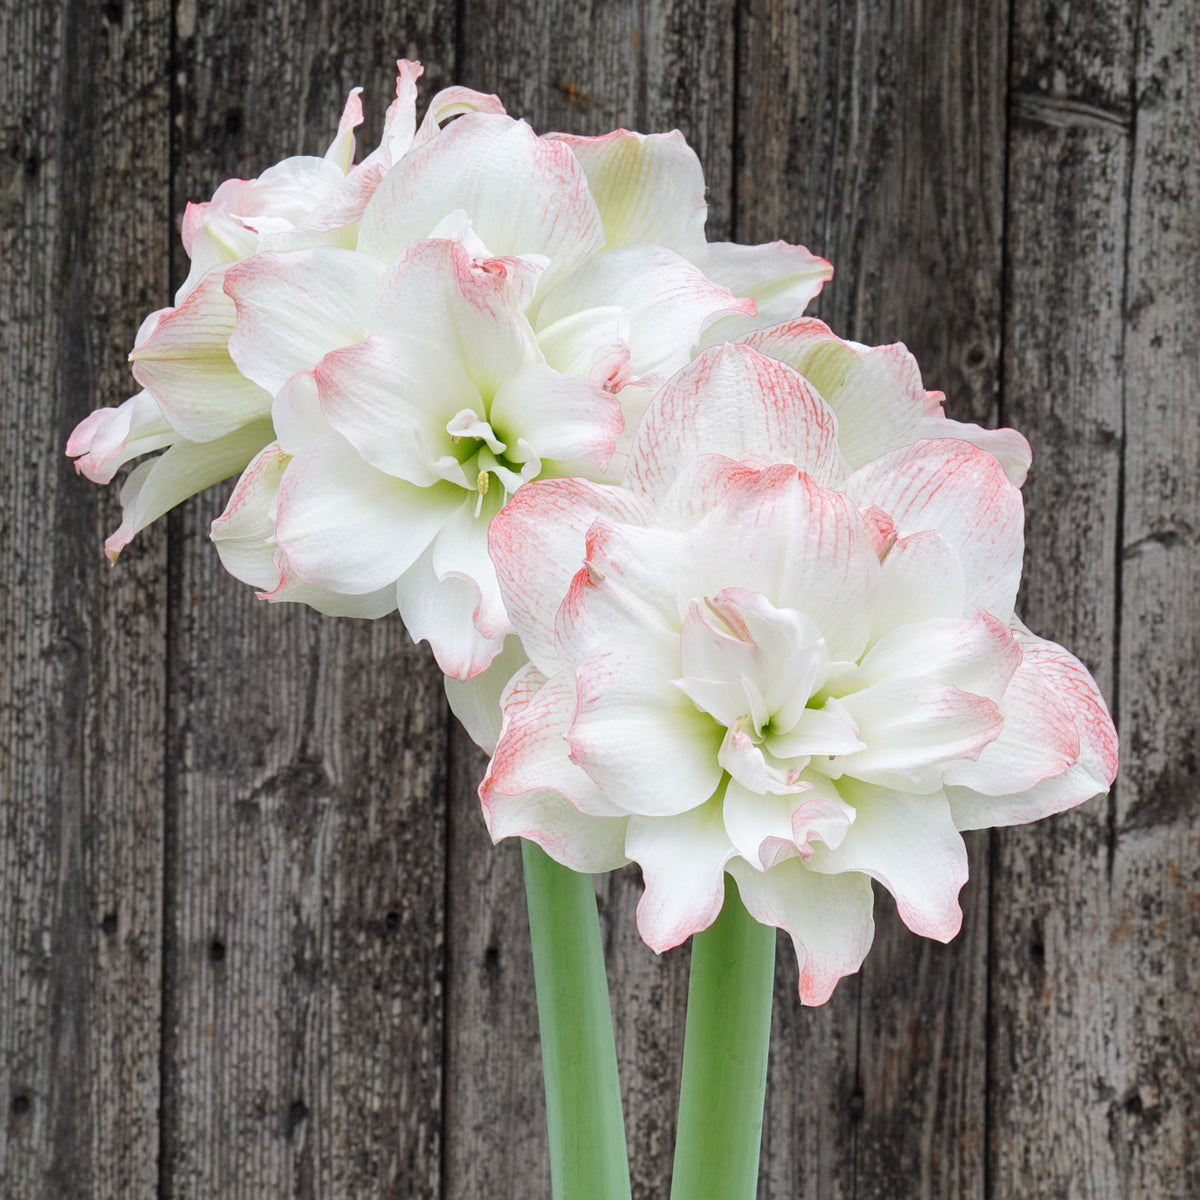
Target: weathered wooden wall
{"x":253,"y":938}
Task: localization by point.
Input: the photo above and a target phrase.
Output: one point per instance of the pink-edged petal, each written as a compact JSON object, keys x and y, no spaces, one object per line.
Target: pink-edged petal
{"x":909,"y":843}
{"x":105,"y":440}
{"x":638,"y":737}
{"x":185,"y":365}
{"x":538,"y":541}
{"x":562,"y":419}
{"x":683,"y":859}
{"x":780,"y":278}
{"x":828,"y":917}
{"x":524,"y":194}
{"x":963,"y":493}
{"x":733,"y":401}
{"x":825,"y":566}
{"x":292,"y":309}
{"x":187,"y":468}
{"x":347,"y":527}
{"x":341,"y":149}
{"x":1038,"y":734}
{"x":648,"y":187}
{"x":461,"y":551}
{"x":978,"y":655}
{"x":434,"y":294}
{"x":590,"y":845}
{"x":392,"y":400}
{"x":625,"y":591}
{"x":593,"y":343}
{"x":443,"y":610}
{"x":923,"y":578}
{"x":244,"y":533}
{"x":455,"y":102}
{"x":369,"y":606}
{"x":476,"y":702}
{"x":876,"y":392}
{"x":533,"y":755}
{"x":912,"y":727}
{"x":667,"y":300}
{"x":1006,"y":445}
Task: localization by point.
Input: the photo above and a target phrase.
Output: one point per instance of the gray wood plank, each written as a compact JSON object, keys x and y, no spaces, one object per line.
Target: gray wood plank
{"x":307,"y":834}
{"x":1054,"y":997}
{"x":83,"y":255}
{"x":584,"y":69}
{"x":874,"y":134}
{"x":1154,"y":1105}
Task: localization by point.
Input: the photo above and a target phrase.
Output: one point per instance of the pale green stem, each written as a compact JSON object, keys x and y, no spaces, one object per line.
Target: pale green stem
{"x":725,"y":1057}
{"x":588,"y":1158}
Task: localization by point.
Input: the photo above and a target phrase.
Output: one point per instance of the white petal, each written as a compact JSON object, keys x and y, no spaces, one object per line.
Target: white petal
{"x":593,"y":343}
{"x":963,"y":493}
{"x":648,"y":187}
{"x":910,"y":845}
{"x":638,"y":737}
{"x":461,"y":551}
{"x":780,"y":278}
{"x":1007,"y":445}
{"x":156,"y":486}
{"x":185,"y":364}
{"x":829,"y":918}
{"x":476,"y":702}
{"x":293,"y":590}
{"x":524,"y":194}
{"x":876,"y":392}
{"x":341,"y":149}
{"x":345,"y":526}
{"x":683,"y":860}
{"x":454,"y":102}
{"x":667,"y":301}
{"x":736,"y":402}
{"x":105,"y":440}
{"x":923,"y":578}
{"x":294,"y":308}
{"x":296,"y":413}
{"x":244,"y":534}
{"x":538,"y":541}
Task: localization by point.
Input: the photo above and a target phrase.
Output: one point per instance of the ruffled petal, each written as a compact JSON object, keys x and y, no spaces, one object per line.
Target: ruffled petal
{"x":105,"y":440}
{"x":476,"y":702}
{"x":244,"y":534}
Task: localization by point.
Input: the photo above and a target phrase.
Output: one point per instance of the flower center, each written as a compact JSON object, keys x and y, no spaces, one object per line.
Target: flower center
{"x":481,"y":453}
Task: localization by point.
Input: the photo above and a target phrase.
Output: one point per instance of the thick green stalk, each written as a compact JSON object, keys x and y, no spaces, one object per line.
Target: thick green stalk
{"x":588,"y":1158}
{"x":725,"y":1057}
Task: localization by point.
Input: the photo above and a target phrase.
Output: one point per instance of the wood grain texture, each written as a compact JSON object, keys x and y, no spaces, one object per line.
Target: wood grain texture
{"x":1053,"y":995}
{"x":83,"y":256}
{"x":582,"y":68}
{"x":303,"y":987}
{"x":881,"y":130}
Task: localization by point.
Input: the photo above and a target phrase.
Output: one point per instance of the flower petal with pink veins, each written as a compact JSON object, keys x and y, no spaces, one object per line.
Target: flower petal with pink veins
{"x":909,"y":843}
{"x":563,"y":418}
{"x":648,"y":187}
{"x":733,"y":401}
{"x":476,"y":702}
{"x":341,"y":149}
{"x":187,"y":468}
{"x":1036,"y":736}
{"x":392,"y":400}
{"x":345,"y":526}
{"x":667,"y":301}
{"x":781,"y":279}
{"x":185,"y":365}
{"x":292,"y":309}
{"x":455,"y":102}
{"x":826,"y":568}
{"x":683,"y":859}
{"x":911,"y":727}
{"x":244,"y":534}
{"x":876,"y":392}
{"x":829,"y":919}
{"x":963,"y":493}
{"x":105,"y":440}
{"x":524,"y":194}
{"x":1009,"y":447}
{"x":639,"y":738}
{"x":538,"y":541}
{"x":434,"y":294}
{"x":593,"y":343}
{"x":923,"y":578}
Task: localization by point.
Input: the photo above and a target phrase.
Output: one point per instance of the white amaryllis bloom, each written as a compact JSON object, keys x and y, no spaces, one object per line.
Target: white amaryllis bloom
{"x":806,"y":688}
{"x":196,"y":405}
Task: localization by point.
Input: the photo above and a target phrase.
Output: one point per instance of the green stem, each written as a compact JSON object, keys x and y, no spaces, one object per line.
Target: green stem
{"x":725,"y":1057}
{"x":588,"y":1158}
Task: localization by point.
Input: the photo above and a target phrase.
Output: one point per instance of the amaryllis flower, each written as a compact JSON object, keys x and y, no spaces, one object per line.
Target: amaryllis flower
{"x":752,"y":673}
{"x":196,"y":404}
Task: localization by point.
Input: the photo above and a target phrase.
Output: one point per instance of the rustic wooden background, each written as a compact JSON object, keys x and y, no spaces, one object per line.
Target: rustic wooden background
{"x":255,"y":942}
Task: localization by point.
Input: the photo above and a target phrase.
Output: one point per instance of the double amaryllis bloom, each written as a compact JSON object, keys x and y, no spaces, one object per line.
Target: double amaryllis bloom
{"x":726,"y":594}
